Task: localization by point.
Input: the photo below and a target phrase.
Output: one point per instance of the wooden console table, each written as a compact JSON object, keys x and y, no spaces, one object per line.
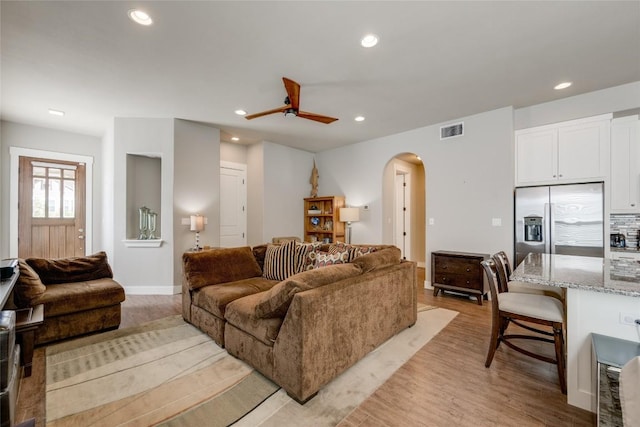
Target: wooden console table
{"x":27,"y":322}
{"x":6,"y":286}
{"x":458,"y":272}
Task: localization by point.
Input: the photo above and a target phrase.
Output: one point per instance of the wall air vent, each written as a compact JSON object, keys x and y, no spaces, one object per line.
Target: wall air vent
{"x":451,"y":131}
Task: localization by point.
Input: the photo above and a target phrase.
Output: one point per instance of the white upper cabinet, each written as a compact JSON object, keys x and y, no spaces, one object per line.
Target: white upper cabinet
{"x":625,"y":165}
{"x":575,"y":151}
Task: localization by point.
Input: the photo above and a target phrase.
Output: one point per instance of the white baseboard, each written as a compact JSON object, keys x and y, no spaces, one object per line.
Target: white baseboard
{"x":427,"y":284}
{"x":152,"y":290}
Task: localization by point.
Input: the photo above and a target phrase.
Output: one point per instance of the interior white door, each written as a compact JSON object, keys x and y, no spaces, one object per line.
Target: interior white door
{"x":233,"y":202}
{"x":402,"y":226}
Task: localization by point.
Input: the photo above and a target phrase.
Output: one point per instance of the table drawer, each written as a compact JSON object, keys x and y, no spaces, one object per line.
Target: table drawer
{"x":459,"y":280}
{"x":467,"y":267}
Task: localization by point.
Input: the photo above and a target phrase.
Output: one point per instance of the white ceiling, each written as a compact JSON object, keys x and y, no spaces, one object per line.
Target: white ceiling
{"x":436,"y":61}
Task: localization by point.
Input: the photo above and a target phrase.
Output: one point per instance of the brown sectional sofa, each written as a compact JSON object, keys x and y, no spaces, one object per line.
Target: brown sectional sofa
{"x":303,"y":331}
{"x":79,"y":295}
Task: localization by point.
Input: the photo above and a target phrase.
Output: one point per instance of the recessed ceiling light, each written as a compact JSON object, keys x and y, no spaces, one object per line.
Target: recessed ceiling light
{"x":140,"y":17}
{"x":241,"y":112}
{"x":370,"y":40}
{"x":56,"y":112}
{"x":235,"y":138}
{"x":563,"y":85}
{"x":359,"y":119}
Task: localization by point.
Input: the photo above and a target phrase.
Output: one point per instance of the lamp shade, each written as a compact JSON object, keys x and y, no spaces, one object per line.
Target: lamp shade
{"x":349,"y":214}
{"x":197,"y":223}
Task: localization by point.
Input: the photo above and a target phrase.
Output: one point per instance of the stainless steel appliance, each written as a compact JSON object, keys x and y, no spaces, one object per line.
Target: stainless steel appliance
{"x":559,"y":219}
{"x":618,"y":240}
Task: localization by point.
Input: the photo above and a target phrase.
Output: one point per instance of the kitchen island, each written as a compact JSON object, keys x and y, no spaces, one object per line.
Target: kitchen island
{"x":602,"y":296}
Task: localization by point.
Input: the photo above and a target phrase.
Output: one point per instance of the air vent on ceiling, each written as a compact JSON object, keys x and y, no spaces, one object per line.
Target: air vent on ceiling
{"x":452,"y":130}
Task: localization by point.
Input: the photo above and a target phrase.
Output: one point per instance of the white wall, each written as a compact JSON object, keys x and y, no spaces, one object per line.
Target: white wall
{"x":619,"y":98}
{"x":286,"y":182}
{"x":190,"y":183}
{"x":108,"y":193}
{"x":255,"y":193}
{"x":196,"y":187}
{"x":469,"y":181}
{"x":37,"y":138}
{"x":143,"y":270}
{"x":235,"y":153}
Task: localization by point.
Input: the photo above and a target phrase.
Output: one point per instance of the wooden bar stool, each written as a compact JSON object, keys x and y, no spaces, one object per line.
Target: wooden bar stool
{"x":515,"y":307}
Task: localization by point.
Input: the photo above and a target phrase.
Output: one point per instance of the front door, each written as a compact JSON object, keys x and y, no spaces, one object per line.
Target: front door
{"x":51,"y":209}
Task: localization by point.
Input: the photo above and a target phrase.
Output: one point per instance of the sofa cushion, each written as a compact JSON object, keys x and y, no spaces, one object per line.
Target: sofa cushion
{"x":324,"y":259}
{"x":74,"y":269}
{"x":378,"y":259}
{"x":29,"y":286}
{"x":258,"y":253}
{"x":214,"y":299}
{"x":280,"y":261}
{"x":241,"y":314}
{"x":212,"y":267}
{"x":73,"y":297}
{"x":275,"y":302}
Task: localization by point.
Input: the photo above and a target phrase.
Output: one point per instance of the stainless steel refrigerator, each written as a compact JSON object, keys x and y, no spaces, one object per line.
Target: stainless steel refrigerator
{"x":559,"y":219}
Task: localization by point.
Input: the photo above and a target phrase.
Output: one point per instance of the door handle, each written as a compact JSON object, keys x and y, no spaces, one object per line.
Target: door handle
{"x":80,"y":237}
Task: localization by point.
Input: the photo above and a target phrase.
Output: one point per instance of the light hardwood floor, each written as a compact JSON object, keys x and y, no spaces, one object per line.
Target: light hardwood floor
{"x":444,"y":384}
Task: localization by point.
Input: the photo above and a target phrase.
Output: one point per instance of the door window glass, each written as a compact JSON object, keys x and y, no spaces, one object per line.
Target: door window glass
{"x":53,"y":190}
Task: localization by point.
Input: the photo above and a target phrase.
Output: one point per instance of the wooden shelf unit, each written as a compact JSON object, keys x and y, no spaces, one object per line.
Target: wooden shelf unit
{"x":328,"y":225}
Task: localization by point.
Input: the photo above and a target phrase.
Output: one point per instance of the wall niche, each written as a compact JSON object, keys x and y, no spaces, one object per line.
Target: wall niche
{"x":144,"y":192}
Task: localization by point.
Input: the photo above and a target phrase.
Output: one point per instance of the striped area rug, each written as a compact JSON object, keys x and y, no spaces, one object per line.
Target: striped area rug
{"x":147,"y":375}
{"x":169,"y":373}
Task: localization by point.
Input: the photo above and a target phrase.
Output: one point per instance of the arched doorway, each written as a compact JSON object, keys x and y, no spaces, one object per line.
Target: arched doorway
{"x":403,"y":206}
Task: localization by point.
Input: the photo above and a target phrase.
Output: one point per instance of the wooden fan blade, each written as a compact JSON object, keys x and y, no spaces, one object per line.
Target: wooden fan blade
{"x":316,"y":117}
{"x":266,"y":113}
{"x":293,"y":92}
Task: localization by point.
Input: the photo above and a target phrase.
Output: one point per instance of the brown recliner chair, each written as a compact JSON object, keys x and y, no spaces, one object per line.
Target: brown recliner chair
{"x":79,"y":295}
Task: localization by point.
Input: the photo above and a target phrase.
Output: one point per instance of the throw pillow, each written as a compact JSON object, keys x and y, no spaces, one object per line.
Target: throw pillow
{"x":363,"y":250}
{"x":275,"y":302}
{"x":74,"y":269}
{"x":211,"y":267}
{"x":306,"y":253}
{"x":353,"y":250}
{"x":29,"y":286}
{"x":324,"y":259}
{"x":280,"y":261}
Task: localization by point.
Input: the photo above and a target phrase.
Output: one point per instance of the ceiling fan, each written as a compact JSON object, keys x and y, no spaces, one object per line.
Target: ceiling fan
{"x":292,"y":102}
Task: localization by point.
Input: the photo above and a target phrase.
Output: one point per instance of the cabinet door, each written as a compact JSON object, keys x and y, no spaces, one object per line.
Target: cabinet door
{"x":583,"y":150}
{"x":536,"y":156}
{"x":625,"y":165}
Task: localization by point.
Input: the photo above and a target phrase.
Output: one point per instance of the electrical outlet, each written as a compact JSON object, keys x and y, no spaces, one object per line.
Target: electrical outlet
{"x":432,"y":221}
{"x":629,"y":318}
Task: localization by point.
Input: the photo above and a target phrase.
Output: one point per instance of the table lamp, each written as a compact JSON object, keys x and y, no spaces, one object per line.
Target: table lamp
{"x":349,"y":215}
{"x":197,"y":225}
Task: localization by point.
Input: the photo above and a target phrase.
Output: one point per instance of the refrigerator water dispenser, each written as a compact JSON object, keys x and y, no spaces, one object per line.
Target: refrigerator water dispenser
{"x":533,"y":228}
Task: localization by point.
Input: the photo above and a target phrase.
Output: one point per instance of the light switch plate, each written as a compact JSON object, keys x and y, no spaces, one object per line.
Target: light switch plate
{"x":496,"y":222}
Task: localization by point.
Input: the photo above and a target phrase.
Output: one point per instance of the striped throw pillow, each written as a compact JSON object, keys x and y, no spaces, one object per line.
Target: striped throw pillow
{"x":280,"y":261}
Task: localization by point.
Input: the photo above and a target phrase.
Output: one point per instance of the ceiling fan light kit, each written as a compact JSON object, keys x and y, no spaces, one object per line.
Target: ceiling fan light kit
{"x":291,"y":107}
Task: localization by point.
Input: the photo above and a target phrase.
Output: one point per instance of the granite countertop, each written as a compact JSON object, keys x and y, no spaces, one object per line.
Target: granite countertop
{"x":613,"y":276}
